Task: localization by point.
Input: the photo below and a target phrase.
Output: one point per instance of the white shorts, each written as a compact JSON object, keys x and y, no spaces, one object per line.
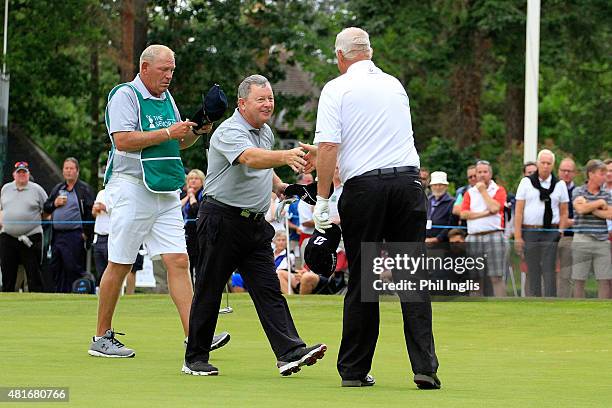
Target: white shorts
{"x":139,"y":216}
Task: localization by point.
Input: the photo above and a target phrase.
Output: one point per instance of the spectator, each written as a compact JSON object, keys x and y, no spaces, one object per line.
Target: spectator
{"x":529,"y":168}
{"x":190,"y":206}
{"x":21,"y":202}
{"x":101,"y":230}
{"x":608,"y":182}
{"x":294,"y":216}
{"x":483,"y":208}
{"x":455,"y":249}
{"x":237,"y":283}
{"x":471,"y":177}
{"x":424,"y":177}
{"x":305,"y":214}
{"x":277,"y":223}
{"x":280,"y":262}
{"x":456,"y":236}
{"x":541,"y":209}
{"x":440,"y":208}
{"x":130,"y":279}
{"x":591,"y":248}
{"x":306,"y":223}
{"x":608,"y":163}
{"x":70,"y":204}
{"x":567,"y":172}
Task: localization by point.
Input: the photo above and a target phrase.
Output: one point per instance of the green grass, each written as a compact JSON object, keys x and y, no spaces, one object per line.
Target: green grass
{"x":525,"y":353}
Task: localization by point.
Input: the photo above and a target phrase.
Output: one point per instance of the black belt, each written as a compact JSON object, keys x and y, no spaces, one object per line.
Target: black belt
{"x":251,"y":215}
{"x":392,"y":170}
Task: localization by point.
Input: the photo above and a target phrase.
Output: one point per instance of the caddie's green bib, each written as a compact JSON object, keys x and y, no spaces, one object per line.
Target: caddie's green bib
{"x":162,"y":168}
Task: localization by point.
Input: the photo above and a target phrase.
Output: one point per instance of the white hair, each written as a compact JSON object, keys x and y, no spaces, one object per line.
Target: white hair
{"x":353,"y":42}
{"x":152,"y":52}
{"x":546,"y":151}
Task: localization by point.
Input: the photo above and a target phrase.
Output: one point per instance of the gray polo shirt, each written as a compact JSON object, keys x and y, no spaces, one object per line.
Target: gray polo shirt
{"x":22,"y":208}
{"x":229,"y":181}
{"x":590,"y":224}
{"x":123,"y":116}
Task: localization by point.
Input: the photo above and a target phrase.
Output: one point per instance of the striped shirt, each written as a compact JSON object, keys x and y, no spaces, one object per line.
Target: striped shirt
{"x":591,"y":224}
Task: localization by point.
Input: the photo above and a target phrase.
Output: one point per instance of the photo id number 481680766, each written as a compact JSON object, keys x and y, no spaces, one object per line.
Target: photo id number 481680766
{"x":31,"y":394}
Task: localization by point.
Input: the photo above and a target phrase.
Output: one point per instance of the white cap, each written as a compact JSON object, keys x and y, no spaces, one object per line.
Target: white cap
{"x":438,"y":177}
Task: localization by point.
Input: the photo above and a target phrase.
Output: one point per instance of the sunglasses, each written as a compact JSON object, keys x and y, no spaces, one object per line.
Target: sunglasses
{"x":21,"y":164}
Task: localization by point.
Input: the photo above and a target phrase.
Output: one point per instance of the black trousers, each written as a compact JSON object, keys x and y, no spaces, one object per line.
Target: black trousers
{"x":100,"y":254}
{"x":193,"y":253}
{"x":13,"y":253}
{"x":228,"y":242}
{"x":67,"y":258}
{"x":541,"y":259}
{"x":373,"y":209}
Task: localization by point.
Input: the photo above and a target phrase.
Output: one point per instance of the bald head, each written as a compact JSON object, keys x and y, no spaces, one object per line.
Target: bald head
{"x":157,"y":68}
{"x":154,"y":52}
{"x":567,"y":170}
{"x":354,"y":43}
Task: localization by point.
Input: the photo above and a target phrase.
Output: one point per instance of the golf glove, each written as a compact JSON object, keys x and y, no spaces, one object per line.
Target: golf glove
{"x":320,"y":215}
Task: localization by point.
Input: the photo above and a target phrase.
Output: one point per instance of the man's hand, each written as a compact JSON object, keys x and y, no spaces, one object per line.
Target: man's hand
{"x":99,"y":207}
{"x":279,"y":190}
{"x":601,"y":204}
{"x":320,"y":215}
{"x":204,"y":130}
{"x":580,"y":200}
{"x":294,"y":159}
{"x":519,"y":245}
{"x":60,"y":201}
{"x":180,"y":129}
{"x":310,"y":157}
{"x":480,"y":186}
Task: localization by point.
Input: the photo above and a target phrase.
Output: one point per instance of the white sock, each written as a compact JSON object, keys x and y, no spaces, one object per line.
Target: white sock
{"x":96,"y":338}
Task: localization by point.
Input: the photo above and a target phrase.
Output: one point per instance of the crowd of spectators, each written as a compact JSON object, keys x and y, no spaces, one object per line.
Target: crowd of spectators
{"x":561,"y":233}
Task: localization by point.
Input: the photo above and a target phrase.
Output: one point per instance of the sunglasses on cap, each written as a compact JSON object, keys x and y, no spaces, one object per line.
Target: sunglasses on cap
{"x":21,"y":164}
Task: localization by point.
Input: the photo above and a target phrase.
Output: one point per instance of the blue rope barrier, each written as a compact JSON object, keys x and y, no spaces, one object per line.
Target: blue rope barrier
{"x":590,"y":230}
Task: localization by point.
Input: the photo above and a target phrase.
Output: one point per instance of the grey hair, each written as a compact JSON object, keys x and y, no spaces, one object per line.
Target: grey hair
{"x":244,"y":89}
{"x":486,"y":163}
{"x":546,"y":151}
{"x":353,"y":42}
{"x":152,"y":52}
{"x":73,"y":160}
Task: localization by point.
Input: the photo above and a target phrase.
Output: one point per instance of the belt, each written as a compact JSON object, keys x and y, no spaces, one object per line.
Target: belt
{"x":485,"y":232}
{"x":127,"y":154}
{"x":251,"y":215}
{"x":127,"y":177}
{"x":525,"y":226}
{"x":392,"y":170}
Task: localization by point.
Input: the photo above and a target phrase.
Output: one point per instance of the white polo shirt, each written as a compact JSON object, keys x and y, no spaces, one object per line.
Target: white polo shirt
{"x":534,"y":208}
{"x":367,"y":112}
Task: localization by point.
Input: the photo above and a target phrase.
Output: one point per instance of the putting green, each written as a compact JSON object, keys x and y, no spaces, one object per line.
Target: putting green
{"x":498,"y":353}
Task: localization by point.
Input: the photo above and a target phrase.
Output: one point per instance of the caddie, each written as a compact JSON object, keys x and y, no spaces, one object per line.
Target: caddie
{"x":143,"y":178}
